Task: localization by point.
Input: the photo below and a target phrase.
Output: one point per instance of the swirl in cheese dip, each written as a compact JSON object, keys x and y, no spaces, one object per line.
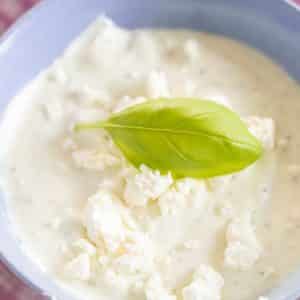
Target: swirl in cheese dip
{"x":105,"y":230}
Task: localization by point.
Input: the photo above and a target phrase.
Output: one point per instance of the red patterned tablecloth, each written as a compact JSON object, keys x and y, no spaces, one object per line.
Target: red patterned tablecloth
{"x":10,"y":10}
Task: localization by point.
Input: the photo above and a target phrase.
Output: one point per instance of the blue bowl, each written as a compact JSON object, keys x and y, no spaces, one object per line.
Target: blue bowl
{"x":273,"y":26}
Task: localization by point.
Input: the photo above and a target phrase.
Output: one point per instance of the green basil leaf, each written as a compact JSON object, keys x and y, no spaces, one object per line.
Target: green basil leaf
{"x":187,"y":137}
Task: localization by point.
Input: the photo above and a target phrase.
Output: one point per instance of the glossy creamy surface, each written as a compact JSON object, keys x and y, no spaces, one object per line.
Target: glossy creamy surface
{"x":107,"y":231}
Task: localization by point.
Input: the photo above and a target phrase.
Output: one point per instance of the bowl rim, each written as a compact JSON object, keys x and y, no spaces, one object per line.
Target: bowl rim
{"x":4,"y":39}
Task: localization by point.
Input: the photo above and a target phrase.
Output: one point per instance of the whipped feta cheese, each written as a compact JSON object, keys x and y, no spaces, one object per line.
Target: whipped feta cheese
{"x":146,"y":185}
{"x":91,"y":159}
{"x":207,"y":284}
{"x":79,"y":268}
{"x":157,"y":85}
{"x":263,"y":129}
{"x":185,"y":193}
{"x":107,"y":230}
{"x":243,"y":249}
{"x":154,"y":289}
{"x":133,"y":264}
{"x":139,"y":243}
{"x":191,"y":49}
{"x":103,"y":221}
{"x":84,"y":246}
{"x":114,"y":280}
{"x":192,"y":244}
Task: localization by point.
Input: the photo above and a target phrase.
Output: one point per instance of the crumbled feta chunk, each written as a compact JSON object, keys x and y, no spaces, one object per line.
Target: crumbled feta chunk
{"x":243,"y":248}
{"x":191,"y":49}
{"x":194,"y":190}
{"x":94,"y":160}
{"x":84,"y":246}
{"x":110,"y":39}
{"x":133,"y":264}
{"x":240,"y":256}
{"x":207,"y":284}
{"x":187,"y":192}
{"x":157,"y":85}
{"x":138,"y":257}
{"x":126,"y":102}
{"x":79,"y":268}
{"x":263,"y":129}
{"x":171,"y":202}
{"x":103,"y":220}
{"x":145,"y":185}
{"x":155,"y":290}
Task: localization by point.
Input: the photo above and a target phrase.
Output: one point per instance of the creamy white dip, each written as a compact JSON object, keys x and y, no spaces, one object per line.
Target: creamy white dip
{"x":107,"y":231}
